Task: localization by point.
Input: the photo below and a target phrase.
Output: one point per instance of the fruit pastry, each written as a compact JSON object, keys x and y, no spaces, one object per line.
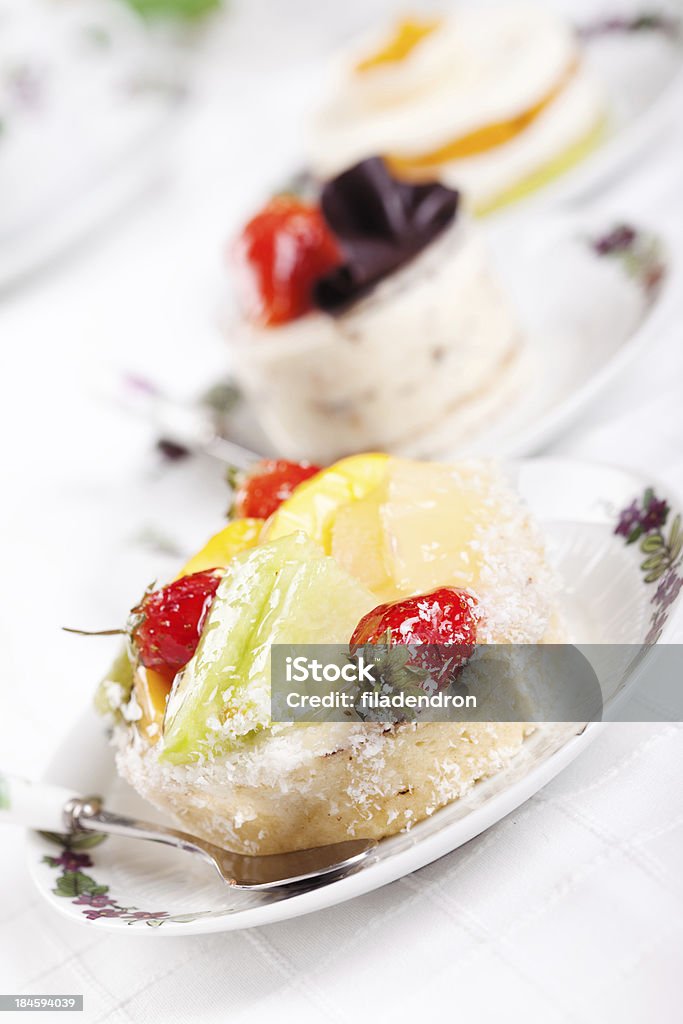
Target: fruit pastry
{"x":370,"y":319}
{"x":495,"y":100}
{"x":372,"y":549}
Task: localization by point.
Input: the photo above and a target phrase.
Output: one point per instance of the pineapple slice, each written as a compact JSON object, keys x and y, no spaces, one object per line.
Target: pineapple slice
{"x":359,"y":543}
{"x":417,"y":530}
{"x":431,"y":518}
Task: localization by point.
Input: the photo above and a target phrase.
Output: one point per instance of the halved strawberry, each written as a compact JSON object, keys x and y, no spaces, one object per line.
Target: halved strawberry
{"x":279,"y":256}
{"x":168,"y":622}
{"x":271,"y":482}
{"x":441,"y":619}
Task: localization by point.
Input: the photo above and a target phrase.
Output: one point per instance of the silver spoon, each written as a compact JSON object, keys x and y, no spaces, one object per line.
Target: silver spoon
{"x":50,"y":808}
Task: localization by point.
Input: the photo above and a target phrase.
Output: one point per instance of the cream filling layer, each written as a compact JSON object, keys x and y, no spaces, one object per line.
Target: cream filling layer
{"x":571,"y":118}
{"x":480,"y":67}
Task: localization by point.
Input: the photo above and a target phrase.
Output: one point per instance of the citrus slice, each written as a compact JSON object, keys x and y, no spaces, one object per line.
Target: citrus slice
{"x":220,"y":549}
{"x":315,"y":503}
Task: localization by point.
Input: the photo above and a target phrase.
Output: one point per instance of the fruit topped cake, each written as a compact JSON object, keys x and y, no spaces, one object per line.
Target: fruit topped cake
{"x":370,"y":318}
{"x":494,"y":100}
{"x":372,"y":550}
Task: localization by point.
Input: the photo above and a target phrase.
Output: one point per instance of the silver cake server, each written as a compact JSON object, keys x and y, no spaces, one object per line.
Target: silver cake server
{"x":50,"y":808}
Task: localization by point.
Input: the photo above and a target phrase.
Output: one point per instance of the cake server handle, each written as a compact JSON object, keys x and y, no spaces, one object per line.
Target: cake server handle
{"x":36,"y":805}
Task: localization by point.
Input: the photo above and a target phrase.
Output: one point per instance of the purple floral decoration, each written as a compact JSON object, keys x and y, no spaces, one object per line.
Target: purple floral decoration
{"x":69,"y":860}
{"x":639,"y":252}
{"x":644,"y":517}
{"x":645,"y":522}
{"x":647,"y":21}
{"x":619,"y":239}
{"x":73,"y":883}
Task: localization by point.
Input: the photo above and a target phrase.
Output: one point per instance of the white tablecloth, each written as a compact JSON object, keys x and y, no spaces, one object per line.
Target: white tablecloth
{"x":571,"y":909}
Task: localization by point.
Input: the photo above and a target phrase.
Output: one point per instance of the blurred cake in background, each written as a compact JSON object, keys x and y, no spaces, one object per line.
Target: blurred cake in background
{"x":494,"y":101}
{"x":369,"y":320}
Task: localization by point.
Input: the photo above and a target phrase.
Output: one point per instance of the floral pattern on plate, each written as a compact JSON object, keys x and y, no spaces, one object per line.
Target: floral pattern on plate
{"x":645,"y":521}
{"x":75,"y":884}
{"x":639,"y":252}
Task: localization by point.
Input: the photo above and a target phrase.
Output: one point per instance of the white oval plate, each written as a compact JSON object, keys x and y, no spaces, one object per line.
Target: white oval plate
{"x":120,"y":884}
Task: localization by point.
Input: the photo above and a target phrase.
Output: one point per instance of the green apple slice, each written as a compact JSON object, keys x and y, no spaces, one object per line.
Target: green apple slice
{"x":284,"y":592}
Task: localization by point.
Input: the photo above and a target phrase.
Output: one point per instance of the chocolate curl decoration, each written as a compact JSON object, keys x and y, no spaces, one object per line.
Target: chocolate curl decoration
{"x":380,"y":223}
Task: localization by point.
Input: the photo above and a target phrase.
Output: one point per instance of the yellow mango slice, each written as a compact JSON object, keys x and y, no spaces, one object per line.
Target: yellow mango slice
{"x":151,"y":693}
{"x":315,"y":503}
{"x":407,"y":34}
{"x":223,"y":546}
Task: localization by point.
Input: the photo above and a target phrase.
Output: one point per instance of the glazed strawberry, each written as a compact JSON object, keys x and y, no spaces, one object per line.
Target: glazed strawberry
{"x":168,"y":622}
{"x":271,"y":482}
{"x":444,"y":617}
{"x":280,"y":255}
